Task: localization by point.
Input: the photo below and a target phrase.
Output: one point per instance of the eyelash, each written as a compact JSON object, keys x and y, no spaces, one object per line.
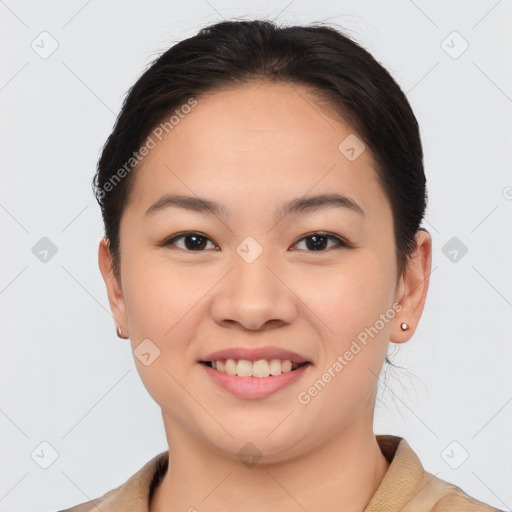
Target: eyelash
{"x":340,"y":242}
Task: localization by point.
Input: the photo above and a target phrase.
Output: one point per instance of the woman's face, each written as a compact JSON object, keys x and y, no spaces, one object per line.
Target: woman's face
{"x":252,"y":279}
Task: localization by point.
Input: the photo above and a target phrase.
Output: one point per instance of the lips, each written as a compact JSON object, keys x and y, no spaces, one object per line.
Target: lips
{"x":252,"y":388}
{"x":254,"y":354}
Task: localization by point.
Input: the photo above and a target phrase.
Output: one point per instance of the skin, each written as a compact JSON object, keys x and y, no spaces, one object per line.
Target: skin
{"x":252,"y":149}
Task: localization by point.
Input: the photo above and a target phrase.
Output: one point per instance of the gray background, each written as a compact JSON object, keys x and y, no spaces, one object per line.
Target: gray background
{"x":67,"y":380}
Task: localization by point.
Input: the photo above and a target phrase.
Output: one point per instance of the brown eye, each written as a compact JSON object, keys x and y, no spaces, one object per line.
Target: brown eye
{"x":319,"y":241}
{"x":193,"y":241}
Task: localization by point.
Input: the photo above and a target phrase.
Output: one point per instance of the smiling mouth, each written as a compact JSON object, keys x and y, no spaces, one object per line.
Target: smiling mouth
{"x":262,"y":368}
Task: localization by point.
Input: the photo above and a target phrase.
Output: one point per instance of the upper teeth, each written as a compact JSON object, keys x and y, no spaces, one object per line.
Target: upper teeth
{"x":259,"y":368}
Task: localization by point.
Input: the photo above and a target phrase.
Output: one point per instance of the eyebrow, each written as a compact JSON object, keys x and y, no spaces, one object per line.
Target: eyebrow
{"x":299,"y":205}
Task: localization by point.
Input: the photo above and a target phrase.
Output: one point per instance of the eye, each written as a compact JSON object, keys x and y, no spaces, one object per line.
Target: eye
{"x":194,"y":241}
{"x":320,"y":240}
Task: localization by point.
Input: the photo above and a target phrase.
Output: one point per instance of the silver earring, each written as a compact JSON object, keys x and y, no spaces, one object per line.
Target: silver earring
{"x":404,"y":326}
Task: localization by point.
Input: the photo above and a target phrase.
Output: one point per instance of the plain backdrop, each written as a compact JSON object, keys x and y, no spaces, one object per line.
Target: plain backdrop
{"x":69,"y":388}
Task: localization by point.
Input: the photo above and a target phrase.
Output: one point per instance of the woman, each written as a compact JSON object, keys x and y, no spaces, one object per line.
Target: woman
{"x":262,"y":194}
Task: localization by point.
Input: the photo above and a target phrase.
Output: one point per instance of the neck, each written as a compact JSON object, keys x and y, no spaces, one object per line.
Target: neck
{"x":345,"y":470}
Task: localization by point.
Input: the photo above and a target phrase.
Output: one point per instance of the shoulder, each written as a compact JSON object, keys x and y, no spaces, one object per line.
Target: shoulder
{"x":454,"y":498}
{"x":133,"y":495}
{"x":408,"y":487}
{"x":96,"y":504}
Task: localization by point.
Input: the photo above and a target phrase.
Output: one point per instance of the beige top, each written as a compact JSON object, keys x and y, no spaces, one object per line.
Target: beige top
{"x":406,"y":487}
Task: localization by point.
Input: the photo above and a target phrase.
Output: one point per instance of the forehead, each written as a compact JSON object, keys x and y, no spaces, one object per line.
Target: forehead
{"x":257,"y":144}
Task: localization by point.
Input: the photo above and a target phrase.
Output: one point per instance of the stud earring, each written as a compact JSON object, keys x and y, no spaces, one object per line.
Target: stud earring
{"x":404,"y":326}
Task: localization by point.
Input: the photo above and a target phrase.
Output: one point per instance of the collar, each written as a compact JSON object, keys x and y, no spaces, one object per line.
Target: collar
{"x":406,"y":485}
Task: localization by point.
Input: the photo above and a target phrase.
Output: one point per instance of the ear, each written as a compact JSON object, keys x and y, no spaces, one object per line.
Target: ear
{"x":114,"y":289}
{"x":412,"y":288}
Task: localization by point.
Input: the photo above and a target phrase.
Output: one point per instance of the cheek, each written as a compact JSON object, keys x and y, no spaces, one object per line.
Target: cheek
{"x":157,"y":295}
{"x":162,"y":306}
{"x":360,"y":288}
{"x":352,"y":304}
{"x":348,"y":303}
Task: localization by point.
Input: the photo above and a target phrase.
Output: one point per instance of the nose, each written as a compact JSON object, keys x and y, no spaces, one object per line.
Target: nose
{"x":254,"y":296}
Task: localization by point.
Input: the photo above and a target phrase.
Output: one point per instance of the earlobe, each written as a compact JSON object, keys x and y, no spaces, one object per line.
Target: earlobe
{"x":412,"y":289}
{"x":114,"y":290}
